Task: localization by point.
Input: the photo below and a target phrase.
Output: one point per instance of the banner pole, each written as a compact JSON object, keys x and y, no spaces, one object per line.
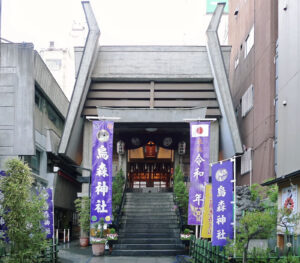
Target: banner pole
{"x":196,"y":226}
{"x":234,"y":190}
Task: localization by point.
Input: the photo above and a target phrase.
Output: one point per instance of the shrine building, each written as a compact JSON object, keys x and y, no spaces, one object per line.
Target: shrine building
{"x":151,"y":93}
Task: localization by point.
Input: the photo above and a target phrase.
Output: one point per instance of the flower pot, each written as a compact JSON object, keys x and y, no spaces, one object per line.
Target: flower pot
{"x":84,"y":241}
{"x":98,"y":249}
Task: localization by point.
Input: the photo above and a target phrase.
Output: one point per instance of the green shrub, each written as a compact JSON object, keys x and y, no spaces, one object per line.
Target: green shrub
{"x":117,"y":192}
{"x":23,"y":213}
{"x":181,"y":193}
{"x":83,"y":206}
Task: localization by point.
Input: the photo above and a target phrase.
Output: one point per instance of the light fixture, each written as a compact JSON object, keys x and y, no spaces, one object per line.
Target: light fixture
{"x":120,"y":147}
{"x":236,"y":11}
{"x":181,"y":148}
{"x":151,"y":129}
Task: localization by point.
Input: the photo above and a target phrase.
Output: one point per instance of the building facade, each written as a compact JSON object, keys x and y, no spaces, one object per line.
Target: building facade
{"x":60,"y":62}
{"x":287,"y":108}
{"x":151,"y":93}
{"x":253,"y":33}
{"x":33,"y":109}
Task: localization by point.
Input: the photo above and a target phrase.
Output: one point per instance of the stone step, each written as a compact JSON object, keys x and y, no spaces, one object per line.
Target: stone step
{"x":149,"y":214}
{"x":153,"y":252}
{"x":149,"y":210}
{"x":152,"y":205}
{"x":149,"y":230}
{"x":149,"y":194}
{"x":155,"y":223}
{"x":149,"y":240}
{"x":163,"y":221}
{"x":147,"y":246}
{"x":149,"y":226}
{"x":147,"y":235}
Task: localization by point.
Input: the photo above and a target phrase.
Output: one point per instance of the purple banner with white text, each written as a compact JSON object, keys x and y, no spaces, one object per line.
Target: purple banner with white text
{"x":3,"y":227}
{"x":47,"y":223}
{"x":199,"y":169}
{"x":101,"y":186}
{"x":222,"y":190}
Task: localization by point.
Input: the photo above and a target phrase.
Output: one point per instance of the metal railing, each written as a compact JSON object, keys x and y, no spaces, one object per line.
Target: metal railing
{"x":178,"y":212}
{"x":202,"y":251}
{"x":119,"y":213}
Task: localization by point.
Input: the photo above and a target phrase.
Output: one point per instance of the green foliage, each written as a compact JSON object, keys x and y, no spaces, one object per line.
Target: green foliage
{"x":254,"y":225}
{"x":117,"y":191}
{"x":181,"y":193}
{"x":82,"y":206}
{"x":289,"y":259}
{"x":23,"y":214}
{"x":186,"y":231}
{"x":112,"y":231}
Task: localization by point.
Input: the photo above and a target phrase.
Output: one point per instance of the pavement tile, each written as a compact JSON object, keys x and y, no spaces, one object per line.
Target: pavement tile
{"x":73,"y":253}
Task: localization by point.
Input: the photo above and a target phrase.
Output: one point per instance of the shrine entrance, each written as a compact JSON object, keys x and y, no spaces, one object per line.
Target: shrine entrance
{"x":150,"y":166}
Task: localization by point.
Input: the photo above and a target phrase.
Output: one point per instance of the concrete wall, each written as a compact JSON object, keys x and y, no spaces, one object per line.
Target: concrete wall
{"x":16,"y":101}
{"x":65,"y":193}
{"x":258,"y":69}
{"x":185,"y":63}
{"x":288,"y":88}
{"x":49,"y":86}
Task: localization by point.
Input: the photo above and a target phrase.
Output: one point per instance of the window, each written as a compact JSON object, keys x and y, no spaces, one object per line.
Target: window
{"x":249,"y":42}
{"x":34,"y":162}
{"x":246,"y":161}
{"x":54,"y":117}
{"x":53,"y":64}
{"x":247,"y":101}
{"x":38,"y":98}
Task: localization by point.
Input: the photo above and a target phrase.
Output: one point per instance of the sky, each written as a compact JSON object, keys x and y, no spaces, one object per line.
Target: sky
{"x":122,"y":22}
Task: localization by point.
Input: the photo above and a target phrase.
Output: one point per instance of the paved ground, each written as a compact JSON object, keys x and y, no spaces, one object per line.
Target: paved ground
{"x":73,"y":253}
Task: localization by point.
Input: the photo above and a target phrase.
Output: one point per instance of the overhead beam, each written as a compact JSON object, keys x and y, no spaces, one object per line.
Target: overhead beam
{"x":157,"y":115}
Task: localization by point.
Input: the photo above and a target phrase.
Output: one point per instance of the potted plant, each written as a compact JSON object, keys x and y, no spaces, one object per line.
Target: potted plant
{"x":112,"y":238}
{"x":82,"y":206}
{"x":98,"y":238}
{"x":186,"y":235}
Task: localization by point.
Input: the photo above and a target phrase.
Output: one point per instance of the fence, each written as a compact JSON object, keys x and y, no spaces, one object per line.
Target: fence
{"x":50,"y":255}
{"x":202,"y":251}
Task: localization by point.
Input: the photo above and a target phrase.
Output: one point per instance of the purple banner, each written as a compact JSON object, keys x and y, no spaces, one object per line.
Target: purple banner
{"x":3,"y":227}
{"x":199,"y":169}
{"x":47,"y":223}
{"x":101,"y":187}
{"x":222,"y":189}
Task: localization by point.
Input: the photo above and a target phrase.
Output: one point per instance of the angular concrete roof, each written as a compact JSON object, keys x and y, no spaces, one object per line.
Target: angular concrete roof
{"x":151,"y":63}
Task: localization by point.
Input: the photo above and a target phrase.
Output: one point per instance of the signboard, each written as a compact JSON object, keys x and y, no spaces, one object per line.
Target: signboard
{"x":222,"y":189}
{"x":212,"y":4}
{"x":101,"y":186}
{"x":289,"y":201}
{"x":199,"y":169}
{"x":48,"y":213}
{"x":207,"y":215}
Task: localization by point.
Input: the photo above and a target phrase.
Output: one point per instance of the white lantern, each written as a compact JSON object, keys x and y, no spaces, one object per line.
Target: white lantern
{"x":120,"y":147}
{"x":181,"y":148}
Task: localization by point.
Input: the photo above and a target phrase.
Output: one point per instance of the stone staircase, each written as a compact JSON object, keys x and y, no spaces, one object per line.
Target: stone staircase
{"x":149,"y":226}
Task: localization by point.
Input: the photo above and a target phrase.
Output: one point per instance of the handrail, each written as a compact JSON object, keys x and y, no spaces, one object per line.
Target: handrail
{"x":178,"y":211}
{"x":119,"y":214}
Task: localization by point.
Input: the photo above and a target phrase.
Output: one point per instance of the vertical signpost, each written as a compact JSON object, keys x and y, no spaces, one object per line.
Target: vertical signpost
{"x":101,"y":186}
{"x":222,"y":185}
{"x":199,"y":170}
